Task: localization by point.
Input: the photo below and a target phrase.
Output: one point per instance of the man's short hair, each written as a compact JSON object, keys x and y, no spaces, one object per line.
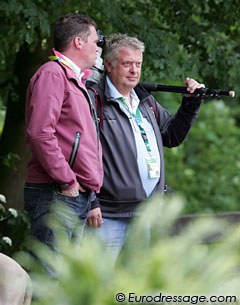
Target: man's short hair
{"x":121,"y":41}
{"x":70,"y":26}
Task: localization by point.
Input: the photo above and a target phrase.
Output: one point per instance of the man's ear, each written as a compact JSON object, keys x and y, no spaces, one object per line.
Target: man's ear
{"x":108,"y":66}
{"x":78,"y":42}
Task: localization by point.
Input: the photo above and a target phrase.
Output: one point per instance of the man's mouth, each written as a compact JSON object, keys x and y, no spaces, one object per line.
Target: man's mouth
{"x":132,"y":79}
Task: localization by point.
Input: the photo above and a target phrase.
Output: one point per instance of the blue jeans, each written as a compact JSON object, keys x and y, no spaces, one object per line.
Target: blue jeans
{"x":114,"y":232}
{"x":43,"y":201}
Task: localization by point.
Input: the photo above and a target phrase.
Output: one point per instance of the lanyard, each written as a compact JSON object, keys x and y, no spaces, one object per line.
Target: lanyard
{"x":153,"y":167}
{"x":54,"y":57}
{"x":139,"y":122}
{"x":143,"y":132}
{"x":65,"y":62}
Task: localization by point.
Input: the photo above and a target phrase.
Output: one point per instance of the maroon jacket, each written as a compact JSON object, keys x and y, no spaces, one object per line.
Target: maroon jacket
{"x":58,"y":107}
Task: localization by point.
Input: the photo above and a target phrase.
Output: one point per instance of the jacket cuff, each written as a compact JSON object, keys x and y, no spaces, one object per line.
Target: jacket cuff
{"x":67,"y":186}
{"x":95,"y":203}
{"x":192,"y":99}
{"x":192,"y":102}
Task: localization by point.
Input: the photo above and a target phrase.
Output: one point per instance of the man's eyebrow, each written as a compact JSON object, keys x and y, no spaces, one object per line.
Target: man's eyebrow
{"x":138,"y":61}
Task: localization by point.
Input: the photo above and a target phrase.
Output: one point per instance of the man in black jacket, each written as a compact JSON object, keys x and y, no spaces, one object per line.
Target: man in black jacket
{"x":133,"y":130}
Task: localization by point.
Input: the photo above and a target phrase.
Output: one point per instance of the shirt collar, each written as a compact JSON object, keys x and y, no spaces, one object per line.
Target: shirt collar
{"x":112,"y":89}
{"x":69,"y":63}
{"x":78,"y":72}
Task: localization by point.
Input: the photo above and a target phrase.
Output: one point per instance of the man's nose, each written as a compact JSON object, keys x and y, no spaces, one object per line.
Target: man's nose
{"x":133,"y":67}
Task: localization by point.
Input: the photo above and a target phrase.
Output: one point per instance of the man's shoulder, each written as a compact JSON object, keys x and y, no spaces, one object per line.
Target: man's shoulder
{"x":47,"y":69}
{"x":96,"y":90}
{"x":51,"y":66}
{"x":95,"y":86}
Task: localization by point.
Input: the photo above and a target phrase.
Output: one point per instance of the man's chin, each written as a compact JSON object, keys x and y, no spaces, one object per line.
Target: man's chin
{"x":132,"y":83}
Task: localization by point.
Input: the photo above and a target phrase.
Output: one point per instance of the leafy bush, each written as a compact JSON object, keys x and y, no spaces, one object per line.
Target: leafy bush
{"x":206,"y":167}
{"x":14,"y":226}
{"x":179,"y":265}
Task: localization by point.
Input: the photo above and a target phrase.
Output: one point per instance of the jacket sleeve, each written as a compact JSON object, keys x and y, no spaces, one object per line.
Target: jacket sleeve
{"x":175,"y":128}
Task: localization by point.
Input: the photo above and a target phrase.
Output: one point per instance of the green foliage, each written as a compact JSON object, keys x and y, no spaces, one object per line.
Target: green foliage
{"x":179,"y":265}
{"x":24,"y":22}
{"x":206,"y":168}
{"x":196,"y":38}
{"x":14,"y":227}
{"x":178,"y":40}
{"x":10,"y":159}
{"x":2,"y":117}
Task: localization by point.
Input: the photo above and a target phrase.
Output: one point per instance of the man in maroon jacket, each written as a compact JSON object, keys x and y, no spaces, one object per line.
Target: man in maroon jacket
{"x":61,"y":131}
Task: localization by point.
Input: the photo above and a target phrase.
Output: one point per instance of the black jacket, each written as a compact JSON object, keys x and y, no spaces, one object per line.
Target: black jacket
{"x":122,"y":189}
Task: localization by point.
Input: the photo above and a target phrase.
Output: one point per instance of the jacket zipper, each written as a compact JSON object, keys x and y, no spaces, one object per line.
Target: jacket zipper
{"x":74,"y":149}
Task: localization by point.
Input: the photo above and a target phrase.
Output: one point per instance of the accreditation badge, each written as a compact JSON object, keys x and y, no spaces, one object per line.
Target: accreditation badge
{"x":153,"y":167}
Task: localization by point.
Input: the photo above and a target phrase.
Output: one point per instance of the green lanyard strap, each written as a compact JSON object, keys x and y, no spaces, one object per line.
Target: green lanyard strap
{"x":143,"y":132}
{"x":139,"y":122}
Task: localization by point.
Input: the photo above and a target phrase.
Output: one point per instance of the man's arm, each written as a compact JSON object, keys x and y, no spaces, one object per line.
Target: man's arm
{"x":43,"y":111}
{"x":175,"y":128}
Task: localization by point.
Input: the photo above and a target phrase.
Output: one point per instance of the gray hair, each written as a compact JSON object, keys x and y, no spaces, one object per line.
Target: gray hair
{"x":121,"y":41}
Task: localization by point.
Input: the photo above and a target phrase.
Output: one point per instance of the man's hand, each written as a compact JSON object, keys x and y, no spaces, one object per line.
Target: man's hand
{"x":95,"y":218}
{"x":192,"y":85}
{"x":74,"y":191}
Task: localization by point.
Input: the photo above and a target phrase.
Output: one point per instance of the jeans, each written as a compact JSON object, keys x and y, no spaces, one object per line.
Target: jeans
{"x":45,"y":206}
{"x":114,"y":232}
